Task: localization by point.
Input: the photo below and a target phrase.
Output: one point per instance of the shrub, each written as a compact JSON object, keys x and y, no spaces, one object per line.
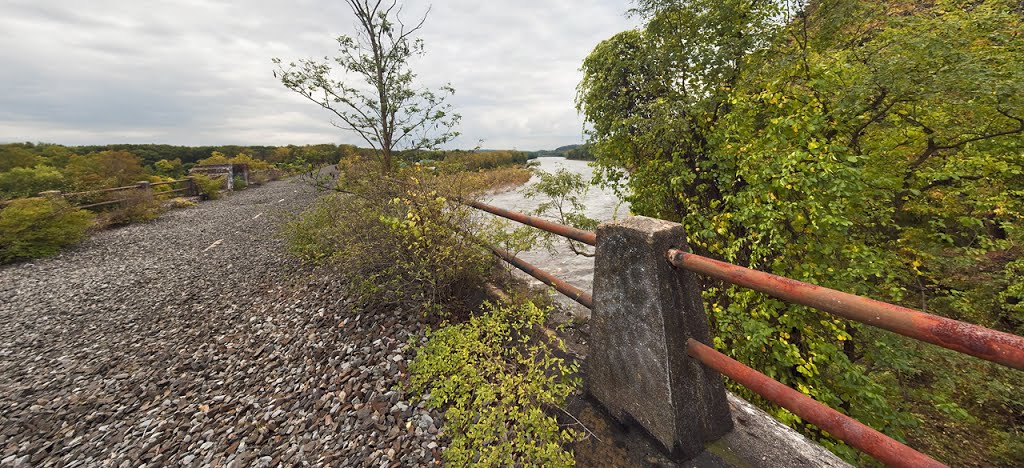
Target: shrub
{"x":181,"y":203}
{"x":497,"y":375}
{"x":396,"y":246}
{"x":39,"y":227}
{"x":139,"y":206}
{"x":208,"y":186}
{"x":239,"y":183}
{"x":29,"y":181}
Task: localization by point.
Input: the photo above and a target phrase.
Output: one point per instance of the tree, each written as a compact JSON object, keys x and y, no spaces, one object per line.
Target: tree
{"x":169,"y":168}
{"x":873,"y":147}
{"x":29,"y":181}
{"x":104,"y":169}
{"x":13,"y":155}
{"x":385,"y":109}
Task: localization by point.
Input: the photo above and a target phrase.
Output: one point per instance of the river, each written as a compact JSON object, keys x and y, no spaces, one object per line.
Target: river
{"x":601,"y":204}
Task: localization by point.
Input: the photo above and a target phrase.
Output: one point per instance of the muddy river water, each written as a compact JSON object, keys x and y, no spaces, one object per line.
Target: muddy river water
{"x":601,"y":205}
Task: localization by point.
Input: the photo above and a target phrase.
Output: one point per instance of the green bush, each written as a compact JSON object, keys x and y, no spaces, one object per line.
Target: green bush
{"x":39,"y":227}
{"x":497,"y":375}
{"x":239,"y":183}
{"x":139,"y":206}
{"x":397,"y":245}
{"x":208,"y":186}
{"x":29,"y":181}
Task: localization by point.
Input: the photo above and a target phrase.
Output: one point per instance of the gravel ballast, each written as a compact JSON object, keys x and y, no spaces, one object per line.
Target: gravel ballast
{"x":197,"y":340}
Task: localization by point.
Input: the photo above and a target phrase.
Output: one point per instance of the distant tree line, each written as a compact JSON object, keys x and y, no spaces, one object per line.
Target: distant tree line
{"x":579,"y":152}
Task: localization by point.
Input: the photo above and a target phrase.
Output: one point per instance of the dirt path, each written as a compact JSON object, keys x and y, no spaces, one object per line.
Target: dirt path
{"x":196,"y":340}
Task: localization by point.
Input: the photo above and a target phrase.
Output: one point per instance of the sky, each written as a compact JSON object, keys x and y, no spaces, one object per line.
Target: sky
{"x":199,"y":72}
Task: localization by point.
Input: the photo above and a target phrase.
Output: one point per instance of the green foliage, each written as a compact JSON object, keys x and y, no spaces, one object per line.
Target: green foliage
{"x":138,"y":206}
{"x":216,"y":159}
{"x":397,"y":240}
{"x":39,"y":227}
{"x":872,"y":147}
{"x":208,"y":186}
{"x":14,"y":156}
{"x":564,"y":193}
{"x":384,"y":108}
{"x":496,"y":375}
{"x":476,"y":160}
{"x":105,"y":169}
{"x":239,"y":183}
{"x":173,"y":168}
{"x":29,"y":181}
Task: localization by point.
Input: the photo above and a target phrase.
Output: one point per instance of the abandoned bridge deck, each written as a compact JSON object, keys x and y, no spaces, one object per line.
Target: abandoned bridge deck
{"x":196,"y":340}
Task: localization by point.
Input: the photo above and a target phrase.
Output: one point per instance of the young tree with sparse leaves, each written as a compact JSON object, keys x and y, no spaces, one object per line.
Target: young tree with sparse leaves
{"x":375,"y":96}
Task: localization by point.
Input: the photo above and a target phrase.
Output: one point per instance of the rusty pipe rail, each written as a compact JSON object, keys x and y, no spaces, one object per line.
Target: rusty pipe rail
{"x":570,"y":291}
{"x":580,"y":235}
{"x":999,"y":347}
{"x":107,"y":190}
{"x":874,"y":443}
{"x":97,"y":205}
{"x":169,"y":182}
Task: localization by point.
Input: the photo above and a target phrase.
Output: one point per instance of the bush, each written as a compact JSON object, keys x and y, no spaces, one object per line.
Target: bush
{"x":497,"y":375}
{"x":139,"y":206}
{"x":29,"y":181}
{"x":181,"y":203}
{"x":39,"y":227}
{"x":398,"y":244}
{"x":239,"y":183}
{"x":208,"y":186}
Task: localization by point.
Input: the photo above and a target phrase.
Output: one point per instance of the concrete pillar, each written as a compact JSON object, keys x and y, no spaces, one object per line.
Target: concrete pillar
{"x":190,"y":187}
{"x":644,"y":311}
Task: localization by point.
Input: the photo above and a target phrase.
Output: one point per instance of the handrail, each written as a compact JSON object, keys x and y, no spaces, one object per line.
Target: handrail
{"x":978,"y":341}
{"x":849,"y":430}
{"x":169,"y":182}
{"x":985,"y":343}
{"x":570,"y":291}
{"x":586,"y":237}
{"x":106,"y":190}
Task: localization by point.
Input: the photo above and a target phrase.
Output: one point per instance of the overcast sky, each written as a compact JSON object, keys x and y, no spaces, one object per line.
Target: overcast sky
{"x":198,"y":72}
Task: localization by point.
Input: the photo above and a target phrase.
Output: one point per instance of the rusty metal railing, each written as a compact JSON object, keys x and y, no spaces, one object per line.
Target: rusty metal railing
{"x":570,"y":291}
{"x":874,"y":443}
{"x":585,"y":237}
{"x":975,"y":340}
{"x":967,"y":338}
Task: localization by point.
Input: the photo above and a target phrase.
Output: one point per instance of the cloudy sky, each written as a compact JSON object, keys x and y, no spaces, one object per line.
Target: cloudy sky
{"x":198,"y":72}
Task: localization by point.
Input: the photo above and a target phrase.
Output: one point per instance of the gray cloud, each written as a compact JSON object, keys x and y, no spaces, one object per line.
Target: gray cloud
{"x":199,"y":72}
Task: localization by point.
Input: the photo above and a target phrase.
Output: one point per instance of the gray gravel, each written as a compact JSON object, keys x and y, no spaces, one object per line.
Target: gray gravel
{"x":155,"y":344}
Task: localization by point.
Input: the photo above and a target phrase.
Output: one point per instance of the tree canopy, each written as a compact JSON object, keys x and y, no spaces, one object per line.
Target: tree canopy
{"x":872,"y":147}
{"x":380,"y":104}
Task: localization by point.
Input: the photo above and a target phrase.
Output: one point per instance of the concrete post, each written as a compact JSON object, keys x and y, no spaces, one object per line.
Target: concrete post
{"x":190,"y":187}
{"x":644,"y":311}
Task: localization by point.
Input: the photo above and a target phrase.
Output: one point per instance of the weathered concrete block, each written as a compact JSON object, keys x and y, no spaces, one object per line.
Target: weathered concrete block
{"x":644,"y":311}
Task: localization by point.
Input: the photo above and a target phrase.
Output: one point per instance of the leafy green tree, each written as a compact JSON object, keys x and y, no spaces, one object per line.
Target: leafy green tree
{"x":12,"y":156}
{"x":104,"y":169}
{"x":216,"y":158}
{"x":169,"y":168}
{"x":873,"y":147}
{"x":386,"y":109}
{"x":28,"y":182}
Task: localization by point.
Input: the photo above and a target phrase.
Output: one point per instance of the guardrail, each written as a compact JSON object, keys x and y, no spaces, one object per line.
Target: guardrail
{"x":649,"y":330}
{"x":188,"y":188}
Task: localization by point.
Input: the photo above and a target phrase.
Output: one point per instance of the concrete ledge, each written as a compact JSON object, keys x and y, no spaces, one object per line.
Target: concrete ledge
{"x":758,"y":439}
